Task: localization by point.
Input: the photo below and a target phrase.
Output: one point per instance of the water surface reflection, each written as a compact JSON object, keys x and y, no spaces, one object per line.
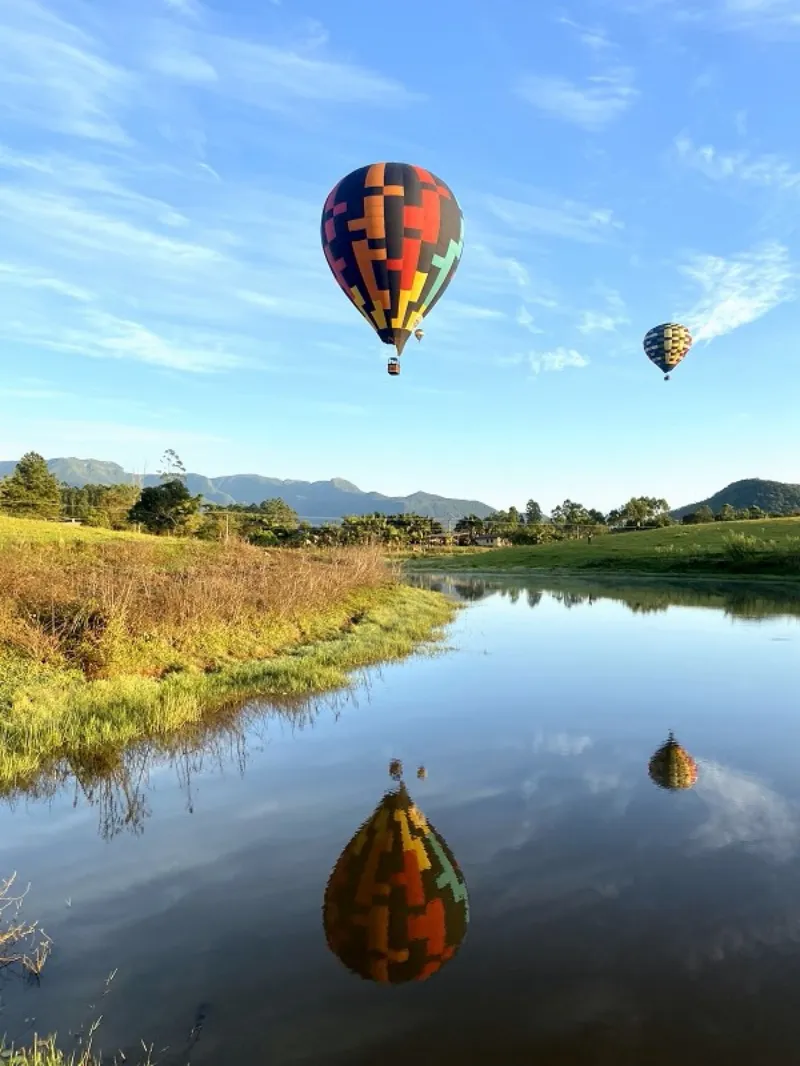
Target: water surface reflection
{"x":610,"y":921}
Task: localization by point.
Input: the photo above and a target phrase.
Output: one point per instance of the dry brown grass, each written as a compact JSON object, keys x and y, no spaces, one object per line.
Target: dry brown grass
{"x":105,"y":644}
{"x":23,"y":945}
{"x":148,"y":606}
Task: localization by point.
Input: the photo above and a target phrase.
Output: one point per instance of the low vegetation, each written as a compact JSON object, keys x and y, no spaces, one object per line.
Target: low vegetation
{"x":44,"y":1051}
{"x":169,"y":508}
{"x":23,"y":945}
{"x":108,"y":640}
{"x":767,"y":547}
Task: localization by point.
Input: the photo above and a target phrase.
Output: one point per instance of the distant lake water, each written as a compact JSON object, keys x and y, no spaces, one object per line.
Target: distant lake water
{"x":612,"y":922}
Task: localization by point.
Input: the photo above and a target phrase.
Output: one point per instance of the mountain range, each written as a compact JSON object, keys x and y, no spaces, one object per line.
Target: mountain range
{"x":778,"y":497}
{"x":314,"y":501}
{"x":320,"y":501}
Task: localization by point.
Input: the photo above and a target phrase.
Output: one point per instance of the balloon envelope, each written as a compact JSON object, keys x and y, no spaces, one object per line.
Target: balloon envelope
{"x":666,"y":345}
{"x":392,"y":234}
{"x":396,"y":906}
{"x":672,"y":767}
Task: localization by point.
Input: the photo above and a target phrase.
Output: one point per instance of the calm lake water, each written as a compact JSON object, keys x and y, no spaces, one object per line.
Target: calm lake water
{"x":611,"y":922}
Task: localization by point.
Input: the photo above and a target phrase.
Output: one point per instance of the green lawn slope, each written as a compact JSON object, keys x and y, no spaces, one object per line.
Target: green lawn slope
{"x":768,"y":547}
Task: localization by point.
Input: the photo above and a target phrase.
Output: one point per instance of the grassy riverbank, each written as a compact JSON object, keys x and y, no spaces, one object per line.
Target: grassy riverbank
{"x":755,"y":548}
{"x":106,"y":641}
{"x":43,"y":1051}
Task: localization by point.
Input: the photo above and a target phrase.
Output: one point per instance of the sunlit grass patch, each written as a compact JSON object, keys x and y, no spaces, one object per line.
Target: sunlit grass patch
{"x":769,"y":547}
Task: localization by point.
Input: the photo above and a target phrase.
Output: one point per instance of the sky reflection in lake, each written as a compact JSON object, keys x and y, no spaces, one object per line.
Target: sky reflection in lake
{"x":611,"y":922}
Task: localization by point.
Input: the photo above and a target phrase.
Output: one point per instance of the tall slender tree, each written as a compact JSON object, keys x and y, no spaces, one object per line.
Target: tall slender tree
{"x":31,"y":491}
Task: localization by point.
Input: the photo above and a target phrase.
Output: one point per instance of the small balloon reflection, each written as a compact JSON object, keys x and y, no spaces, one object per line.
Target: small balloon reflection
{"x":396,"y":906}
{"x":672,"y":767}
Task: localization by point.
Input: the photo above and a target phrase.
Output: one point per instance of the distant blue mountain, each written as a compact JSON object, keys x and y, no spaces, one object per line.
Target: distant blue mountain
{"x":314,"y":501}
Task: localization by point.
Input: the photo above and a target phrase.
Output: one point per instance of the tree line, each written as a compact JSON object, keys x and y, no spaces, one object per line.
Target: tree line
{"x":169,"y":508}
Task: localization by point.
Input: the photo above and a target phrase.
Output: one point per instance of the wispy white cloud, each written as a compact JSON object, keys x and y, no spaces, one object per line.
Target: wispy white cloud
{"x":565,"y":744}
{"x":466,"y":310}
{"x":767,"y":16}
{"x":604,"y":97}
{"x":272,"y":78}
{"x":127,"y":244}
{"x":593,"y":37}
{"x":609,"y":319}
{"x":597,"y":322}
{"x":66,"y":221}
{"x":67,"y":175}
{"x":742,"y":810}
{"x":291,"y":306}
{"x":190,"y":8}
{"x":36,"y":394}
{"x":704,"y":80}
{"x":557,"y":359}
{"x":183,"y":66}
{"x":30,"y":278}
{"x":489,"y":271}
{"x":738,"y":290}
{"x":770,"y":171}
{"x":526,"y":320}
{"x":99,"y":335}
{"x":110,"y":433}
{"x":568,"y":219}
{"x":747,"y":14}
{"x":56,"y":76}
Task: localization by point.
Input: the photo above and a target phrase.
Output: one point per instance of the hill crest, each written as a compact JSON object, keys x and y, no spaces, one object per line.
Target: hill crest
{"x":771,"y":496}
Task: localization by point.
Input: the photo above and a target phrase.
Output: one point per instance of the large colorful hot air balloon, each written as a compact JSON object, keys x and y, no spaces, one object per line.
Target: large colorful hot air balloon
{"x":666,"y":345}
{"x":396,"y":906}
{"x":672,"y":767}
{"x":392,"y":234}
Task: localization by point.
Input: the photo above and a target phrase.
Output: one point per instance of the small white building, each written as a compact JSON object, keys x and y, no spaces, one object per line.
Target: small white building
{"x":491,"y":540}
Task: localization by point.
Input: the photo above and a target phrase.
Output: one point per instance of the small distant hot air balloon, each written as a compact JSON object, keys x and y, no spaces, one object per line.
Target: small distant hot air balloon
{"x":666,"y":345}
{"x":392,"y":234}
{"x":419,"y":334}
{"x":422,"y":773}
{"x":396,"y":906}
{"x":672,"y":767}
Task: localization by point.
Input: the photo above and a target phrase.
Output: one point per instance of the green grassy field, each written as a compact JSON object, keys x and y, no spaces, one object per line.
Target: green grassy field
{"x":109,"y":640}
{"x":770,"y":547}
{"x":29,"y":531}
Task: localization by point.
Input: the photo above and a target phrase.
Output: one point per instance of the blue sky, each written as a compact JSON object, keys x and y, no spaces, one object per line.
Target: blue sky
{"x":619,"y":163}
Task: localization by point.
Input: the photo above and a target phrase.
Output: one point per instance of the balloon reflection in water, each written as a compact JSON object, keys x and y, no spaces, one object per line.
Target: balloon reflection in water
{"x":396,"y":906}
{"x":672,"y":767}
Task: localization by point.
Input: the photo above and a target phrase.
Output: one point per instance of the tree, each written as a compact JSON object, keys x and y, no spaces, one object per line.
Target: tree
{"x":172,"y":468}
{"x":727,"y":513}
{"x":641,"y":511}
{"x":513,"y":517}
{"x":470,"y":524}
{"x":278,"y":514}
{"x":533,"y":513}
{"x":596,"y":517}
{"x":702,"y":514}
{"x":99,"y":505}
{"x":166,"y":508}
{"x":31,"y":491}
{"x":570,"y":514}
